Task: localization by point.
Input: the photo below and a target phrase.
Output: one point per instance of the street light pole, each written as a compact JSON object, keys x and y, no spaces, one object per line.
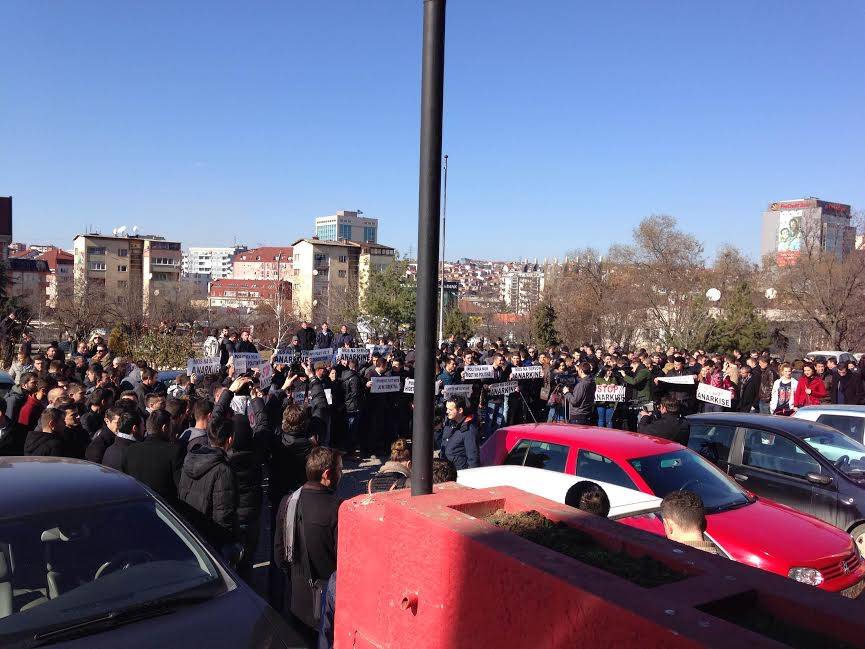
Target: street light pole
{"x":429,"y":200}
{"x":444,"y":244}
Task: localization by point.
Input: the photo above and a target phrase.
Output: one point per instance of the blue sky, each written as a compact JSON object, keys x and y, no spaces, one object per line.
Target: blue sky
{"x":565,"y":122}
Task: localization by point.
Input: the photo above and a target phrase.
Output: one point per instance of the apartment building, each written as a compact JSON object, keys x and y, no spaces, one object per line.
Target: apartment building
{"x":248,"y":294}
{"x":140,"y":268}
{"x":216,"y":263}
{"x":269,"y":262}
{"x":325,"y":271}
{"x":347,"y":226}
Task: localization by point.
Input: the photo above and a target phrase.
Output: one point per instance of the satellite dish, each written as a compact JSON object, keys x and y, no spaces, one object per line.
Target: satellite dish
{"x":315,"y":303}
{"x":114,"y":232}
{"x":315,"y":272}
{"x":135,"y":229}
{"x":713,"y":294}
{"x":121,"y":229}
{"x":156,"y":292}
{"x":771,"y":293}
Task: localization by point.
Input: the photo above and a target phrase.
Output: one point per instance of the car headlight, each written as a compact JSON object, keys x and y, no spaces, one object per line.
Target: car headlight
{"x":810,"y":576}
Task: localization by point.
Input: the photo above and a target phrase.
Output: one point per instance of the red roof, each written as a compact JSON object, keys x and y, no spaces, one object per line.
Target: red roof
{"x":264,"y":254}
{"x":266,"y":288}
{"x":56,"y":256}
{"x":506,"y":318}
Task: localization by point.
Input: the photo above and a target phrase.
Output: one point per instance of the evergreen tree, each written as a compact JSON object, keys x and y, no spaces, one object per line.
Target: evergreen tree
{"x":390,"y":299}
{"x":457,"y":323}
{"x":544,"y":325}
{"x":740,"y":325}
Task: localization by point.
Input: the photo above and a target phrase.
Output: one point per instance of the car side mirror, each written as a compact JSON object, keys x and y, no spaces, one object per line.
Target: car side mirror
{"x":818,"y":478}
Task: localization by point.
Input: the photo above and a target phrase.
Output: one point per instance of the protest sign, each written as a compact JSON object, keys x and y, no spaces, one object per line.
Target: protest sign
{"x":317,"y":355}
{"x":211,"y":346}
{"x":298,"y":396}
{"x":285,"y":357}
{"x":384,"y":384}
{"x":609,"y":392}
{"x":474,"y":372}
{"x":711,"y":394}
{"x":243,"y":361}
{"x":458,"y":389}
{"x":688,"y":379}
{"x":409,"y":386}
{"x":202,"y":366}
{"x":499,"y":389}
{"x":384,"y":350}
{"x":328,"y":394}
{"x":265,"y":375}
{"x":530,"y":372}
{"x":357,"y":353}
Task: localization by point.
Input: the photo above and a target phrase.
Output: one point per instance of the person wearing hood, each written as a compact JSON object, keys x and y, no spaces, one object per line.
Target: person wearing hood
{"x":207,"y":492}
{"x":48,"y":440}
{"x":396,"y":472}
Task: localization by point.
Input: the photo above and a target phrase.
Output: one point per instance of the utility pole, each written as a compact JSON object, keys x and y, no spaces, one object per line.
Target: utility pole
{"x":444,"y":244}
{"x":429,"y":200}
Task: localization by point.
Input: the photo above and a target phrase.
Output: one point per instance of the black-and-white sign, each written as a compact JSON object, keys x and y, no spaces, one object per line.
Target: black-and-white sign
{"x":458,"y":389}
{"x":385,"y":384}
{"x":711,"y":394}
{"x":688,"y":379}
{"x":609,"y":392}
{"x":243,"y":361}
{"x":318,"y":355}
{"x":530,"y":372}
{"x":357,"y":353}
{"x":475,"y":372}
{"x":202,"y":366}
{"x":499,"y":389}
{"x":285,"y":357}
{"x":409,"y":386}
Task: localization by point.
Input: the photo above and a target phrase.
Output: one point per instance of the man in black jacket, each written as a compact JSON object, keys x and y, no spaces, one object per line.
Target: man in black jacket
{"x":306,"y":336}
{"x":343,"y":338}
{"x":245,"y":345}
{"x":847,"y":387}
{"x":48,"y":440}
{"x":353,"y":394}
{"x":458,"y":439}
{"x":18,"y":394}
{"x":582,"y":399}
{"x":207,"y":492}
{"x":669,"y":425}
{"x":314,"y":532}
{"x":318,"y":403}
{"x":749,"y":390}
{"x":227,"y":344}
{"x":157,"y":460}
{"x":128,"y":433}
{"x":324,"y":338}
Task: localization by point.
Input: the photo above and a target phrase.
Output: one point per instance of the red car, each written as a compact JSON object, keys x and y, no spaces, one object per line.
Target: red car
{"x":749,"y":529}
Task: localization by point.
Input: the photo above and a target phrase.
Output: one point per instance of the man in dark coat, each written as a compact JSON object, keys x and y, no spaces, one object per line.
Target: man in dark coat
{"x":149,"y":385}
{"x":319,"y":408}
{"x":458,"y":439}
{"x":48,"y":440}
{"x":582,"y":398}
{"x":749,"y":390}
{"x":343,"y":338}
{"x":669,"y":425}
{"x":353,"y":393}
{"x":127,"y":433}
{"x":847,"y":387}
{"x":245,"y":345}
{"x":207,"y":493}
{"x":314,"y":533}
{"x":156,"y":461}
{"x":324,"y":338}
{"x":18,"y":395}
{"x":306,"y":336}
{"x":227,"y":346}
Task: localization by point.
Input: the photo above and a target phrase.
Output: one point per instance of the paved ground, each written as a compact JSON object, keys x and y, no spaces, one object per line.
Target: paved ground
{"x":355,"y":476}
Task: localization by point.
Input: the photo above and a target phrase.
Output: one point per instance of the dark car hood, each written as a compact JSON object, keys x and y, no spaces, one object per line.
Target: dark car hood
{"x":234,"y":619}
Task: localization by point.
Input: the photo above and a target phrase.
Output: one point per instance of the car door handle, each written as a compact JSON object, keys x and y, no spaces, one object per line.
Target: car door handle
{"x":740,"y":477}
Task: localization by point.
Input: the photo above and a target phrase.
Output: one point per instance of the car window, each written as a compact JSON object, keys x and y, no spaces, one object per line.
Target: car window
{"x":851,"y":426}
{"x":712,"y":441}
{"x":594,"y":466}
{"x":776,"y":453}
{"x":543,"y":455}
{"x":518,"y":453}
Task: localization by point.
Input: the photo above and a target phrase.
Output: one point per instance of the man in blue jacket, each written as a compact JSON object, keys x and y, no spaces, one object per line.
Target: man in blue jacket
{"x":458,"y":438}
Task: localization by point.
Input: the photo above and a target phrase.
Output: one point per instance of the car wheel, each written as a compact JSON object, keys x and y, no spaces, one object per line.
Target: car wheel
{"x":858,"y":535}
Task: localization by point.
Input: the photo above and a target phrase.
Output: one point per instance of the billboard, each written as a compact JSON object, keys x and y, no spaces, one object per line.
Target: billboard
{"x":790,"y":230}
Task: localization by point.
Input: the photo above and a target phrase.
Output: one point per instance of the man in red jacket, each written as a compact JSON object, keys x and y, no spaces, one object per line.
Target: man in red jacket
{"x":32,"y":409}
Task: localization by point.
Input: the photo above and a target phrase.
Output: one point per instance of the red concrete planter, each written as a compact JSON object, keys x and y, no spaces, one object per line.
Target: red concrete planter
{"x":429,"y":572}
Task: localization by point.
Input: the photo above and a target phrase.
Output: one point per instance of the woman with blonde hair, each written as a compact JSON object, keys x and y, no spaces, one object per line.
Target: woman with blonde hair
{"x":731,"y":383}
{"x":395,"y":473}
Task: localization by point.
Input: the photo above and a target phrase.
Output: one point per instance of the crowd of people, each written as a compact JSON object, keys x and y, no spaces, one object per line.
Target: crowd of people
{"x":206,"y":443}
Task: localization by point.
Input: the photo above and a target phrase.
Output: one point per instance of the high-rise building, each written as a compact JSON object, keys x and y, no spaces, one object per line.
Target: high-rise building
{"x":347,"y":226}
{"x":521,"y":286}
{"x":790,"y":226}
{"x":270,"y":262}
{"x":143,"y":269}
{"x":327,"y":271}
{"x":214,"y":262}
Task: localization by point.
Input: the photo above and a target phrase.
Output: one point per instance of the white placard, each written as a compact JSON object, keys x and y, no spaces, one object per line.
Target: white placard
{"x":499,"y":389}
{"x":688,"y":379}
{"x":265,"y":375}
{"x":202,"y":366}
{"x":530,"y":372}
{"x":474,"y":372}
{"x":385,"y":384}
{"x":242,"y":361}
{"x":357,"y":353}
{"x":458,"y":389}
{"x":211,"y":346}
{"x":286,"y":358}
{"x":409,"y":386}
{"x":328,"y":394}
{"x":317,"y":355}
{"x":711,"y":394}
{"x":609,"y":392}
{"x":384,"y":350}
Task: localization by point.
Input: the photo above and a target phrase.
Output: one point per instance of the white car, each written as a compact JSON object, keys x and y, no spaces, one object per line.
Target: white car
{"x":553,"y":485}
{"x":849,"y":420}
{"x":840,"y":357}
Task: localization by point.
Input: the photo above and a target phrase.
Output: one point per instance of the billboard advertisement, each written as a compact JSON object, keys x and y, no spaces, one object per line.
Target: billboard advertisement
{"x":790,"y":230}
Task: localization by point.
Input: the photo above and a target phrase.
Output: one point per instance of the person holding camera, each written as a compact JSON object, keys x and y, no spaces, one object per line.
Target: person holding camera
{"x":581,"y":399}
{"x":667,"y":424}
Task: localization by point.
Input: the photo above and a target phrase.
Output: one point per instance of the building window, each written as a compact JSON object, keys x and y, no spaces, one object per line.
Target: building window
{"x":345,"y":230}
{"x":123,"y":252}
{"x":369,"y":234}
{"x":122,"y":283}
{"x":96,"y":265}
{"x":121,"y":268}
{"x":95,"y":250}
{"x":160,"y":277}
{"x":163,"y":261}
{"x":343,"y":259}
{"x":342,"y":273}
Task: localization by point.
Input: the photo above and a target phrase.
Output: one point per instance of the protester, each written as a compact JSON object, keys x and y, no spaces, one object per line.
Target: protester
{"x":668,"y":424}
{"x":582,"y":399}
{"x":48,"y":440}
{"x":156,"y":461}
{"x":782,"y":392}
{"x":810,"y":389}
{"x":395,"y":473}
{"x":128,"y":433}
{"x":458,"y":439}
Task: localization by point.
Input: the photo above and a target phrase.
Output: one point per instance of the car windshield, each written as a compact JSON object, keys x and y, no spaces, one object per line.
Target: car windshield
{"x":685,"y":470}
{"x":62,"y":568}
{"x":844,"y":452}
